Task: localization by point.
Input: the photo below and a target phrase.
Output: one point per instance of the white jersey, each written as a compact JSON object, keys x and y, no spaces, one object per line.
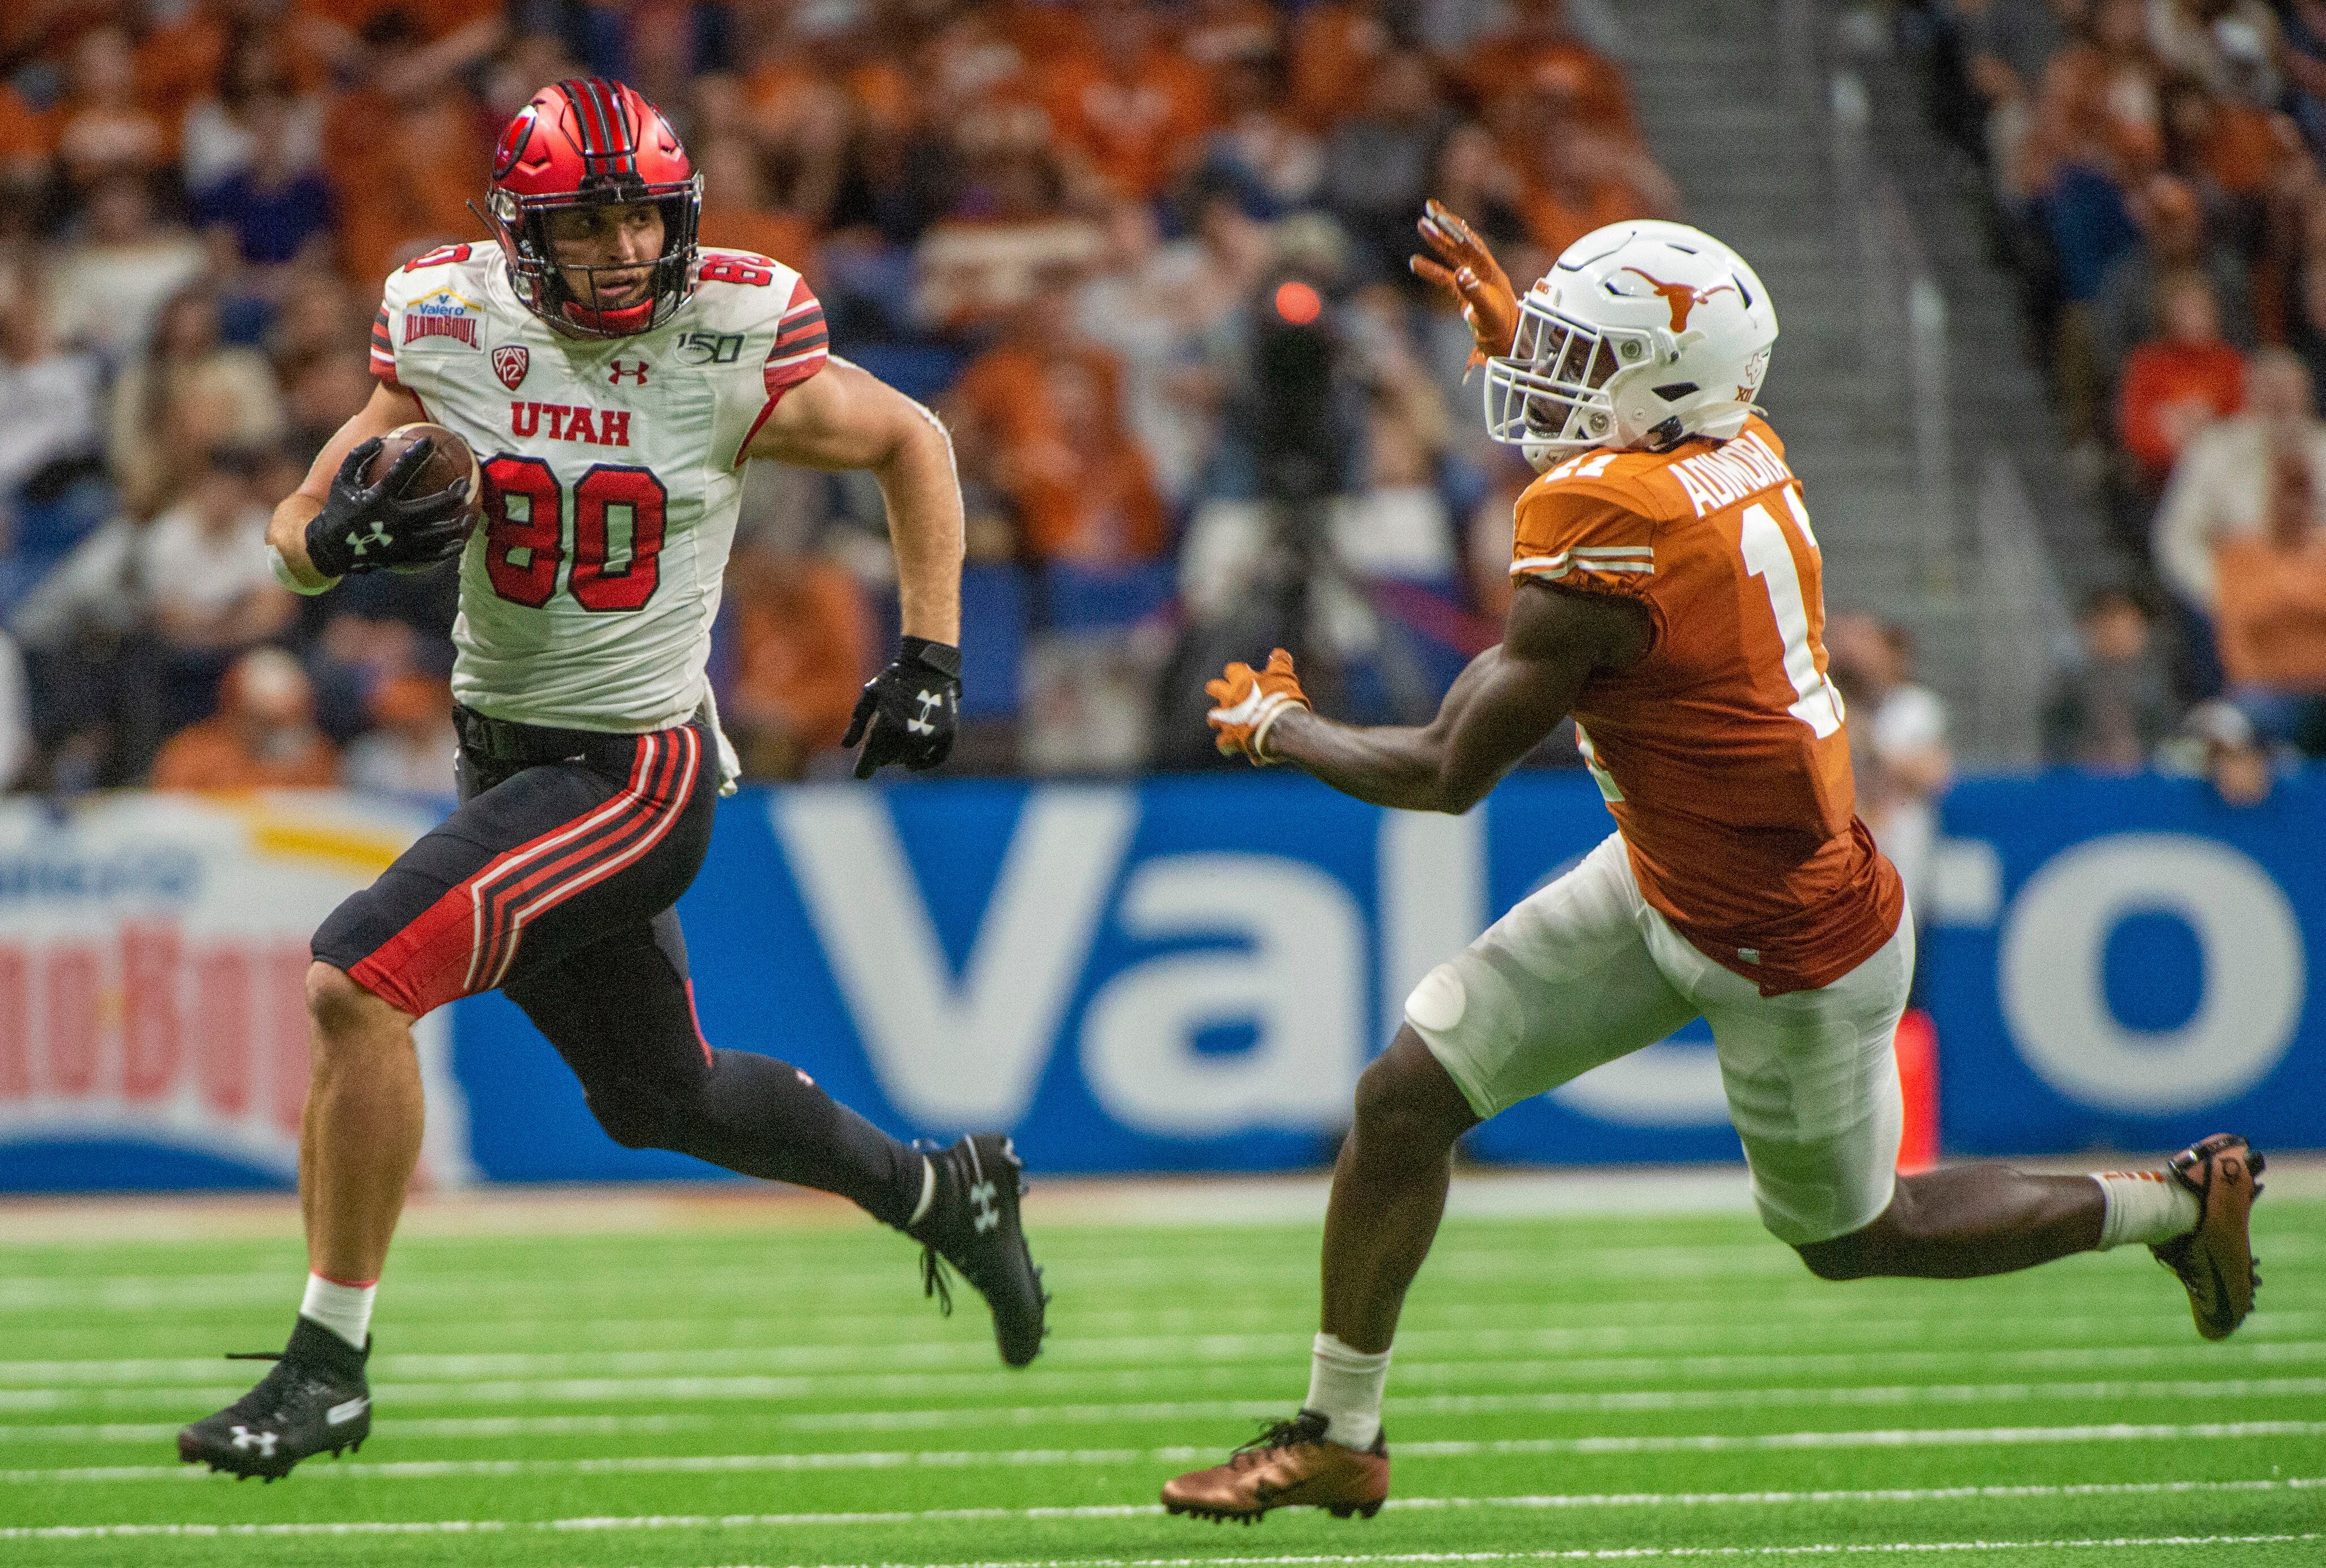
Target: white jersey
{"x":612,"y":474}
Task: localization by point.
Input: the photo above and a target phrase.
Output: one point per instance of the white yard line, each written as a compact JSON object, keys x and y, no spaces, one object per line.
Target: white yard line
{"x":1557,"y":1501}
{"x":1224,"y":1332}
{"x":1643,"y":1401}
{"x":1617,"y":1554}
{"x":453,"y":1426}
{"x":519,"y":1212}
{"x":980,"y":1459}
{"x":1601,"y":1402}
{"x":1680,"y":1263}
{"x":755,"y":1521}
{"x":764,"y":1390}
{"x":1164,"y":1202}
{"x":1169,"y":1358}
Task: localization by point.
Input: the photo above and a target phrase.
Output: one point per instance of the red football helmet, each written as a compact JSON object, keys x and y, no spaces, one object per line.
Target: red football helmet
{"x":584,"y":144}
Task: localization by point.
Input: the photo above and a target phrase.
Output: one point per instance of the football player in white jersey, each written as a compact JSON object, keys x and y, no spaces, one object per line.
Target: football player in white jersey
{"x":613,"y":378}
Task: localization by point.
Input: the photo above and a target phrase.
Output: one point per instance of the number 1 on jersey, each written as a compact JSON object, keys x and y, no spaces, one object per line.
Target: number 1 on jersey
{"x":1769,"y":557}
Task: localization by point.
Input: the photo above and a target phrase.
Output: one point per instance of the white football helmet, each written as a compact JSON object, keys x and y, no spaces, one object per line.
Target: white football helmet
{"x":1642,"y":335}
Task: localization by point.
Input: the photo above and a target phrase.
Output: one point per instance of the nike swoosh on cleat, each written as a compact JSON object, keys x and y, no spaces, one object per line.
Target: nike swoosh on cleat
{"x":2220,"y":1291}
{"x":1283,"y":1497}
{"x":341,"y":1414}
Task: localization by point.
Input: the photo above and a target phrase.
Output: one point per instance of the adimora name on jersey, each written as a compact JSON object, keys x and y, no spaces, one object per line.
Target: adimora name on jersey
{"x":444,"y":314}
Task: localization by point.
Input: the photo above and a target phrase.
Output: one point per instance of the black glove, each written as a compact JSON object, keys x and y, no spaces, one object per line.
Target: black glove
{"x":365,"y":527}
{"x":909,"y":708}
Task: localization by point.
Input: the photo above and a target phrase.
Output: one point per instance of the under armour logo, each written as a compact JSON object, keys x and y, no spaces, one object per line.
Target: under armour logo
{"x":379,"y":535}
{"x":930,"y":703}
{"x":980,"y":1198}
{"x":265,"y":1442}
{"x":621,"y":370}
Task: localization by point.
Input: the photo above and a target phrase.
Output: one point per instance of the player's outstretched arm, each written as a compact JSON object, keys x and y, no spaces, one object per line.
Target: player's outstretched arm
{"x":1496,"y":712}
{"x":389,"y":407}
{"x":845,"y":417}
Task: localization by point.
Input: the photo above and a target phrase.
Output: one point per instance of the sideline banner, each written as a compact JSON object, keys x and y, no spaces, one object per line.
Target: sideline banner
{"x":2127,"y":963}
{"x":1185,"y":974}
{"x":152,"y":986}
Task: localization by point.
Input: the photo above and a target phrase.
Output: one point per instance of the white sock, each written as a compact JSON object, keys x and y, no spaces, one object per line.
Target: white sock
{"x":2145,"y":1206}
{"x":344,"y":1309}
{"x":928,"y":1193}
{"x":1345,"y":1387}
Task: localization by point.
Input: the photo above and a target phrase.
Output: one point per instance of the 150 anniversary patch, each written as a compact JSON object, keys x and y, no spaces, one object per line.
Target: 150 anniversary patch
{"x":710,"y":347}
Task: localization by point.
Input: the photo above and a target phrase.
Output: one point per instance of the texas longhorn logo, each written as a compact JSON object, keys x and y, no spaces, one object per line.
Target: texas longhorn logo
{"x":1684,"y":298}
{"x":510,"y":362}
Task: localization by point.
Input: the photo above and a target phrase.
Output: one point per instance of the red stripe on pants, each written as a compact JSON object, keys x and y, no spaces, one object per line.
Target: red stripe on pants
{"x":491,"y":894}
{"x":640,"y":833}
{"x":436,"y":958}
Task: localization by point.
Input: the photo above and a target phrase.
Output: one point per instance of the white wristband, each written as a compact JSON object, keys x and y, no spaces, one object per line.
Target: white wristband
{"x":290,"y":580}
{"x":1275,"y":709}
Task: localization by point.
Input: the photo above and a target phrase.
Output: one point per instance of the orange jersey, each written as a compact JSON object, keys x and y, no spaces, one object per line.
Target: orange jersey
{"x":1721,"y":753}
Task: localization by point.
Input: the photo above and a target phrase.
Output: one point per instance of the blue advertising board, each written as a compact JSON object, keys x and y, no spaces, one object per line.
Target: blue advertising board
{"x":2127,"y":962}
{"x":1183,"y":974}
{"x":1187,"y":974}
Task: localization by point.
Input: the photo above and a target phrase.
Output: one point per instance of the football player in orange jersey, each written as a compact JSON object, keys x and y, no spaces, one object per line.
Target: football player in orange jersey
{"x":1667,"y":598}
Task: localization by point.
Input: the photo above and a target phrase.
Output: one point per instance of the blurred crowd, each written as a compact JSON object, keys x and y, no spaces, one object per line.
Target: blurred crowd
{"x":1099,"y":235}
{"x":2155,"y":171}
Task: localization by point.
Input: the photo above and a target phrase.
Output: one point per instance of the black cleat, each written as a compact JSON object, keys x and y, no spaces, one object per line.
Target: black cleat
{"x":314,"y":1401}
{"x":972,"y":1225}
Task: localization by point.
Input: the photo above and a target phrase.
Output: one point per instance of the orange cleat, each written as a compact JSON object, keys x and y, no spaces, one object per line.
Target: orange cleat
{"x":1288,"y":1466}
{"x":2215,"y":1261}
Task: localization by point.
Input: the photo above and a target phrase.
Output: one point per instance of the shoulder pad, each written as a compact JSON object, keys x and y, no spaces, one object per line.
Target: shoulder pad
{"x":738,"y":291}
{"x":1615,"y":478}
{"x":460,"y":267}
{"x":1586,"y":523}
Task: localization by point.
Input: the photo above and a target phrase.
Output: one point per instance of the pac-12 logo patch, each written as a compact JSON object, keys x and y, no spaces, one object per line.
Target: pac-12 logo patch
{"x":444,"y":314}
{"x":510,"y":362}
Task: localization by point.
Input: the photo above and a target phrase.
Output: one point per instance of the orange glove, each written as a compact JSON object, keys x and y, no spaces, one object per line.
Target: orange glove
{"x":1250,"y":701}
{"x":1464,"y":267}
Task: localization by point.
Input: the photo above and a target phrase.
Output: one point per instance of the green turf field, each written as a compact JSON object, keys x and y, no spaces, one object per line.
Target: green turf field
{"x":1650,"y":1389}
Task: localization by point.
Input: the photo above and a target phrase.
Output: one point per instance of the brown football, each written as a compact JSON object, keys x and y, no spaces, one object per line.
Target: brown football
{"x":449,"y":461}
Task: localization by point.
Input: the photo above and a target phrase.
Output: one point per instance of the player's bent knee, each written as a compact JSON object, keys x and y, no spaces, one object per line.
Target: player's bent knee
{"x":1842,"y":1257}
{"x":641,"y":1116}
{"x":1405,"y":1098}
{"x":631,"y":1125}
{"x":634,"y":1123}
{"x":342,"y":1009}
{"x":1865,"y":1251}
